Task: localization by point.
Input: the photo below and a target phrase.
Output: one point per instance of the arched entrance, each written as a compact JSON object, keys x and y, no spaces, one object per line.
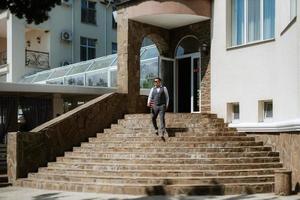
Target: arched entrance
{"x":187,"y":75}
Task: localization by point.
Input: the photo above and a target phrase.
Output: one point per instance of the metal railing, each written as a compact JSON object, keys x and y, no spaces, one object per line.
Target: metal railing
{"x":37,"y":59}
{"x":3,"y":58}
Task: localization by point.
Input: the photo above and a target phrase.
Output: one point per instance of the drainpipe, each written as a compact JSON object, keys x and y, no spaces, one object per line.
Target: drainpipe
{"x":73,"y":30}
{"x":110,"y":2}
{"x":106,"y":29}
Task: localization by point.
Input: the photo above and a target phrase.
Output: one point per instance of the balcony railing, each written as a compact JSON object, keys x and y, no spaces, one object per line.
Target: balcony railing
{"x":3,"y":58}
{"x":37,"y":59}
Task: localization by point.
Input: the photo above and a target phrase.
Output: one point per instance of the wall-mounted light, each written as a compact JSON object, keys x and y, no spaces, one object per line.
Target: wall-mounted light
{"x":205,"y":48}
{"x":28,"y":43}
{"x":38,"y":39}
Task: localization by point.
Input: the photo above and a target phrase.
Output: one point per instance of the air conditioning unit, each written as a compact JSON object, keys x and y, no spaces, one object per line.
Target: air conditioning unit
{"x":66,"y":36}
{"x":65,"y":62}
{"x":67,"y":2}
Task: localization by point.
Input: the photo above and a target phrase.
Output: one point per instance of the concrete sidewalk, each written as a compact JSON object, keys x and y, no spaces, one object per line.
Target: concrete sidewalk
{"x":18,"y":193}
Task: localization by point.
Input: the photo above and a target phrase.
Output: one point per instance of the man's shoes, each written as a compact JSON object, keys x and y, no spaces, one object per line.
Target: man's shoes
{"x":164,"y":133}
{"x":156,"y":132}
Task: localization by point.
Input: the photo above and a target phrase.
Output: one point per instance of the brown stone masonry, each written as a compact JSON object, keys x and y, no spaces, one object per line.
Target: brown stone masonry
{"x":29,"y":151}
{"x":288,"y":144}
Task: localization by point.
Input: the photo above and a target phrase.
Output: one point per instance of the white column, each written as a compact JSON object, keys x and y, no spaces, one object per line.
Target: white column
{"x":15,"y":48}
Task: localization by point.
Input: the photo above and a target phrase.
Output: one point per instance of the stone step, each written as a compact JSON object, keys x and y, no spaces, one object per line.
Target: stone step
{"x":173,"y":139}
{"x":173,"y":116}
{"x":157,"y":173}
{"x":122,"y":160}
{"x":112,"y":166}
{"x":137,"y":166}
{"x":134,"y":189}
{"x":162,"y":143}
{"x":180,"y":127}
{"x":174,"y":155}
{"x":170,"y":134}
{"x":172,"y":123}
{"x":172,"y":149}
{"x":174,"y":119}
{"x":151,"y":180}
{"x":173,"y":131}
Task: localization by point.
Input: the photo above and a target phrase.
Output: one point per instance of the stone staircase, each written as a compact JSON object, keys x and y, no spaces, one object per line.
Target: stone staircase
{"x":201,"y":155}
{"x":3,"y":166}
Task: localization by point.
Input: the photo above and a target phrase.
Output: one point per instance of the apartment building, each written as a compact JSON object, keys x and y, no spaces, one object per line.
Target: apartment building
{"x":78,"y":30}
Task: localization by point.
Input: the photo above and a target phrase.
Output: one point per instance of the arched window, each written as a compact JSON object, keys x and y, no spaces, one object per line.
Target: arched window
{"x":187,"y":45}
{"x":148,"y":63}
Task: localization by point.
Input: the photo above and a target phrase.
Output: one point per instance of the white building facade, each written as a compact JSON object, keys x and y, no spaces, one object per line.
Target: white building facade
{"x":255,"y":76}
{"x":254,"y":55}
{"x":77,"y":30}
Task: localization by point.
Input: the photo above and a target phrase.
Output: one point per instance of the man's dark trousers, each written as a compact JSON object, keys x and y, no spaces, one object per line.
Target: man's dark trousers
{"x":158,"y":110}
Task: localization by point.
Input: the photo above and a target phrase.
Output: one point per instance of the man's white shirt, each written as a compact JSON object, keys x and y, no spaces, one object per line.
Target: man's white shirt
{"x":158,"y":89}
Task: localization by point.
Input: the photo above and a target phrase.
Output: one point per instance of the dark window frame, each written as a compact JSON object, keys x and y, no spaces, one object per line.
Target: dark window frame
{"x":87,"y":47}
{"x":114,"y":50}
{"x":88,"y":12}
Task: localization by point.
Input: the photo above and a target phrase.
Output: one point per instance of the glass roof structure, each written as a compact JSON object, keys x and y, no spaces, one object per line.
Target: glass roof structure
{"x":99,"y":72}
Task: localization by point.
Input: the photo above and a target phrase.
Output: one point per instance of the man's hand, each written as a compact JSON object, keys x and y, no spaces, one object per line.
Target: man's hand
{"x":149,"y":105}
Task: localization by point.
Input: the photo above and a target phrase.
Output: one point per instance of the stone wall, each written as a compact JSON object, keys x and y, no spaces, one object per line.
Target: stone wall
{"x":205,"y":88}
{"x":29,"y":151}
{"x":288,"y":144}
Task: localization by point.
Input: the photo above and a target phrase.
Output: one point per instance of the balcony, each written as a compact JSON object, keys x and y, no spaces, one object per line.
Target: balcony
{"x":37,"y":59}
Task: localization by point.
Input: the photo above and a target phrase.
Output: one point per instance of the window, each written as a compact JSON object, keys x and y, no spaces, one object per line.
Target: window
{"x":252,"y":20}
{"x":114,"y":23}
{"x":114,"y":48}
{"x":88,"y":12}
{"x":265,"y":110}
{"x":293,"y":5}
{"x":87,"y":48}
{"x":268,"y":110}
{"x":233,"y":112}
{"x":236,"y":111}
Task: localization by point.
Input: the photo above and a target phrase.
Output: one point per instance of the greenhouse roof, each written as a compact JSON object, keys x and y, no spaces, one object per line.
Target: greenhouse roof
{"x":106,"y":64}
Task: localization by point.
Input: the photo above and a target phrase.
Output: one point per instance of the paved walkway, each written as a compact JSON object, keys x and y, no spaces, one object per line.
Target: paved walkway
{"x":17,"y":193}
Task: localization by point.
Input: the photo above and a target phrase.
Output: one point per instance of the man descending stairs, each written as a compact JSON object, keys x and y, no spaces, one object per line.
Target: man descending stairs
{"x":200,"y":156}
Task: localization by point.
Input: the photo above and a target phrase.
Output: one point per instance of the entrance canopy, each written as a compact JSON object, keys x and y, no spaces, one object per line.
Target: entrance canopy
{"x":168,"y":14}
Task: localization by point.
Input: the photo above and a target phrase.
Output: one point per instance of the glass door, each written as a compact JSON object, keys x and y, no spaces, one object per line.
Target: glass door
{"x":195,"y":83}
{"x":187,"y":83}
{"x":166,"y":72}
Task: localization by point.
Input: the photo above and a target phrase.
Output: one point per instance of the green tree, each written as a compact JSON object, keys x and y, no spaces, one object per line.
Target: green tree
{"x":36,"y":11}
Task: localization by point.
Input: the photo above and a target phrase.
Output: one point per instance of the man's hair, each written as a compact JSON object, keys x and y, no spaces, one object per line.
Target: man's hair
{"x":157,"y":78}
